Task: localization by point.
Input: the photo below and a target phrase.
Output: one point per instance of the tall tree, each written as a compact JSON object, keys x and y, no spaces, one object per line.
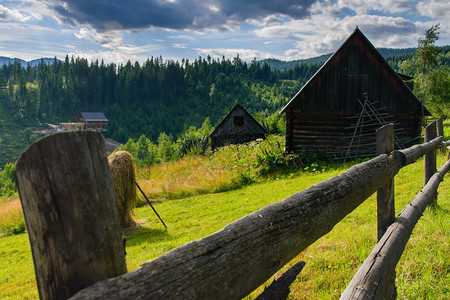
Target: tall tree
{"x":431,"y":80}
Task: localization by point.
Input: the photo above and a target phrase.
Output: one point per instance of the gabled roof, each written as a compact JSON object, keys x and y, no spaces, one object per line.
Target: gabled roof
{"x":357,"y":34}
{"x":238,"y":107}
{"x":94,"y":116}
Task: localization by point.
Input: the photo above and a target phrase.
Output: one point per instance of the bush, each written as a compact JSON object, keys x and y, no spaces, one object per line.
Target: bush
{"x":274,"y":159}
{"x":192,"y":141}
{"x":314,"y":161}
{"x":17,"y":228}
{"x":7,"y":181}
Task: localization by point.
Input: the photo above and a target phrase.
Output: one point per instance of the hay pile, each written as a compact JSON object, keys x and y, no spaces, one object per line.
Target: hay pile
{"x":121,"y":164}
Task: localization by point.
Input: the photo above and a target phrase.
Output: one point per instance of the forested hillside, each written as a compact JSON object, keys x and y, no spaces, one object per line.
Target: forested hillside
{"x":159,"y":95}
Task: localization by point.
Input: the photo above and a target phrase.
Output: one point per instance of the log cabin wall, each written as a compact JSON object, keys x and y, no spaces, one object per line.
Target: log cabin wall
{"x":322,"y":114}
{"x":331,"y":131}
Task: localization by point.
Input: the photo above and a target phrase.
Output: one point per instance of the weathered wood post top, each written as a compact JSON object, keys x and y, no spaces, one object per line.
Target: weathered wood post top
{"x":67,"y":196}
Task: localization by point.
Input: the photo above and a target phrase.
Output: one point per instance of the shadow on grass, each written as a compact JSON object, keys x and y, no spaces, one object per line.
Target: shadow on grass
{"x":142,"y":234}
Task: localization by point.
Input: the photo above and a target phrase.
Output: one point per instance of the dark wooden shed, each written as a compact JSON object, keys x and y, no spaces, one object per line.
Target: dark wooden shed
{"x":355,"y":92}
{"x":236,"y":128}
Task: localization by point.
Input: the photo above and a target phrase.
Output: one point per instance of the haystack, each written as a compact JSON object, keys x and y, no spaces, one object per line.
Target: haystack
{"x":121,"y":164}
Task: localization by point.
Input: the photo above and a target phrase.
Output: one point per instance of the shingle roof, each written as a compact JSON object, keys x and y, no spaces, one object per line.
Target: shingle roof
{"x":94,"y":116}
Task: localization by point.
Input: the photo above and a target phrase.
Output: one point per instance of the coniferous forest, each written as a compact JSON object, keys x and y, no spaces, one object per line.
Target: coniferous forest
{"x":157,"y":96}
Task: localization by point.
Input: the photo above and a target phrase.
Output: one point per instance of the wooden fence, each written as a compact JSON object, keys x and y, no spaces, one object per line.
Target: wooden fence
{"x":68,"y":201}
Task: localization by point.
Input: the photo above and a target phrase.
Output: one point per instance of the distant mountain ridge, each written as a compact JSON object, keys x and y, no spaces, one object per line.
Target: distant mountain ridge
{"x":7,"y":60}
{"x":280,"y":65}
{"x":275,"y":64}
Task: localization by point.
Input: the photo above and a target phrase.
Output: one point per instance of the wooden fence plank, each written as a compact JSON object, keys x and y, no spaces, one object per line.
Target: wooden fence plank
{"x":370,"y":280}
{"x":232,"y":262}
{"x":66,"y":191}
{"x":415,"y":152}
{"x":235,"y":260}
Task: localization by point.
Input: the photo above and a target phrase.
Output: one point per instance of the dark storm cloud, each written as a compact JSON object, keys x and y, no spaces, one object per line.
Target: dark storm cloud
{"x":173,"y":14}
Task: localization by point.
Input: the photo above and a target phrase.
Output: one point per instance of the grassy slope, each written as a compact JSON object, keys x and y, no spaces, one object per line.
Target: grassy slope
{"x":330,"y":262}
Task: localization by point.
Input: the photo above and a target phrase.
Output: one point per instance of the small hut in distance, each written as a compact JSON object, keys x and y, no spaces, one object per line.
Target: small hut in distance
{"x":93,"y":121}
{"x":236,"y":128}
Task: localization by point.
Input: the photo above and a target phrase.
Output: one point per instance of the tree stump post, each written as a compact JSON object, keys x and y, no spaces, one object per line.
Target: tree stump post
{"x":386,"y":199}
{"x":67,"y":197}
{"x":430,"y":158}
{"x":385,"y":195}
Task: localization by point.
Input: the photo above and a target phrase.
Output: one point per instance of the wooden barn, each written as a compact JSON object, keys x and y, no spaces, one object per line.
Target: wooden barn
{"x":354,"y":93}
{"x":93,"y":121}
{"x":236,"y":128}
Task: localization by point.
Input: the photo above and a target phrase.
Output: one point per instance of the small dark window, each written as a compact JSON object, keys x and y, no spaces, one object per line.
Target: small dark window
{"x":238,"y":124}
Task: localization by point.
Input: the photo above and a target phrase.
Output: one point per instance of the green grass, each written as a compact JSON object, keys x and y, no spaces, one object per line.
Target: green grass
{"x":422,"y":272}
{"x":331,"y":262}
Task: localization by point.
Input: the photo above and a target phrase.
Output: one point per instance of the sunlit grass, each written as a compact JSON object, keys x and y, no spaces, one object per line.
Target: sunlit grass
{"x":331,"y":262}
{"x":188,"y":176}
{"x":422,"y":272}
{"x":11,"y":221}
{"x":17,"y":278}
{"x":226,"y":169}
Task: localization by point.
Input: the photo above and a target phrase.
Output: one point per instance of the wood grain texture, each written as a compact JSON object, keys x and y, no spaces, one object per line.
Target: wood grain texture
{"x":232,"y":262}
{"x":67,"y":197}
{"x":410,"y":155}
{"x":385,"y":194}
{"x":430,"y":157}
{"x":386,"y":200}
{"x":354,"y":70}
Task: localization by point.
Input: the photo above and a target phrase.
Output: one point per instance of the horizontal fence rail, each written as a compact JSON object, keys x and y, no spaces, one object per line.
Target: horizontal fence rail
{"x":259,"y":244}
{"x":371,"y":279}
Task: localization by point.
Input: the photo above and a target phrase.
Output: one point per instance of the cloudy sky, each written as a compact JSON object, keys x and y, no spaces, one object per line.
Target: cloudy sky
{"x":121,"y":30}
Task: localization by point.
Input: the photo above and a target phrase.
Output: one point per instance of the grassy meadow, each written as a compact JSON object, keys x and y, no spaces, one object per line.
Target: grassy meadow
{"x":198,"y":196}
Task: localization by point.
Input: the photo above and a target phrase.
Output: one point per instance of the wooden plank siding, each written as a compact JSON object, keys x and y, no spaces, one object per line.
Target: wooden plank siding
{"x":322,"y":115}
{"x":330,"y":131}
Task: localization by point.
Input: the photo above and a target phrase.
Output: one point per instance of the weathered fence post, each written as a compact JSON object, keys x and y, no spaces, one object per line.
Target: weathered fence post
{"x":386,"y":200}
{"x":68,"y":202}
{"x":440,"y":132}
{"x":246,"y":253}
{"x":430,"y":157}
{"x":440,"y":127}
{"x":385,"y":195}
